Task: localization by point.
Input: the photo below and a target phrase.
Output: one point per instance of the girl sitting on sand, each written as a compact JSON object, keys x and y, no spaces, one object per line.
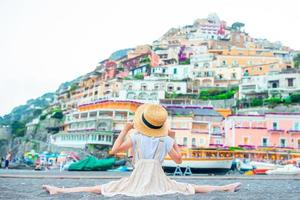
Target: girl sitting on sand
{"x":151,"y":143}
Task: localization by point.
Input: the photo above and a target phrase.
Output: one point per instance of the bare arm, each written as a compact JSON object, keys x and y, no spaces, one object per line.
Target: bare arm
{"x":120,"y":144}
{"x":174,"y":154}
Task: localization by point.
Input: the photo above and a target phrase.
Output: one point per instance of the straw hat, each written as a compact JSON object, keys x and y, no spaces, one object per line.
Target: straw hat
{"x":150,"y":120}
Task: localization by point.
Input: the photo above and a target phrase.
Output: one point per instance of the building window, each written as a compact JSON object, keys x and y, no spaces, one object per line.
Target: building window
{"x":185,"y":141}
{"x":143,"y":87}
{"x":202,"y":141}
{"x":246,"y":140}
{"x":297,"y":126}
{"x":83,"y":115}
{"x":193,"y":141}
{"x":282,"y":143}
{"x":275,"y":126}
{"x":218,"y":141}
{"x":234,"y":63}
{"x":178,"y":88}
{"x":233,"y":75}
{"x":274,"y":84}
{"x":93,"y":114}
{"x":170,"y":88}
{"x":206,"y":65}
{"x":156,"y":86}
{"x":265,"y":142}
{"x":175,"y":71}
{"x":164,"y":71}
{"x":290,"y":82}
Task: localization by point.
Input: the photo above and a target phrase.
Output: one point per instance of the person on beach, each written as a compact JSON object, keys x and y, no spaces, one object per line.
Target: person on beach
{"x":7,"y":159}
{"x":151,"y":142}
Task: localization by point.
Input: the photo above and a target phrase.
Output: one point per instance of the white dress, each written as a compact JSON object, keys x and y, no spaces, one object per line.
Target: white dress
{"x":148,"y":177}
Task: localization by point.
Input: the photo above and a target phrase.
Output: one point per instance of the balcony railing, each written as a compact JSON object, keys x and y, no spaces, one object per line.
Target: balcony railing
{"x":221,"y":134}
{"x":293,"y":131}
{"x":275,"y":131}
{"x":198,"y":131}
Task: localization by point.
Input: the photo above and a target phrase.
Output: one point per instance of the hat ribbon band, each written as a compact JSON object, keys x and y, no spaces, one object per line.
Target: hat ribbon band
{"x":149,"y":124}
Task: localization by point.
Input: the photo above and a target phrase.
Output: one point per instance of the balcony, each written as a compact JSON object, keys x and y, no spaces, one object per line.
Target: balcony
{"x":242,"y":127}
{"x":293,"y":131}
{"x":218,"y":134}
{"x":199,"y":131}
{"x":275,"y":131}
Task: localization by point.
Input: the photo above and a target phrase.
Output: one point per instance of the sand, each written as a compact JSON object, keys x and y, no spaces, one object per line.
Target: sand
{"x":258,"y":187}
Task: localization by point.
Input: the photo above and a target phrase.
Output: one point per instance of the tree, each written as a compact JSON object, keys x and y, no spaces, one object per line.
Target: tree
{"x":295,"y":98}
{"x":256,"y":102}
{"x":58,"y":115}
{"x":237,"y":26}
{"x":297,"y":60}
{"x":139,"y":76}
{"x":18,"y":128}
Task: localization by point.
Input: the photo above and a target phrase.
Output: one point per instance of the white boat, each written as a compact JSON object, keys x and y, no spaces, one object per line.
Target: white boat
{"x":200,"y":165}
{"x":264,"y":165}
{"x":286,"y":170}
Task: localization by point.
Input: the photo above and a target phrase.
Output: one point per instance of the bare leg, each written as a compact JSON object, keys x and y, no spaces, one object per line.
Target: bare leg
{"x":55,"y":190}
{"x":209,"y":188}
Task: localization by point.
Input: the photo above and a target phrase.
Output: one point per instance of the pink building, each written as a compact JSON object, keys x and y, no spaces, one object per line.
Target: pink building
{"x":268,"y":130}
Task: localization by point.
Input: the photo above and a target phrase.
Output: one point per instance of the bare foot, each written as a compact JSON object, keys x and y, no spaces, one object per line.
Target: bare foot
{"x":51,"y":189}
{"x":234,"y":187}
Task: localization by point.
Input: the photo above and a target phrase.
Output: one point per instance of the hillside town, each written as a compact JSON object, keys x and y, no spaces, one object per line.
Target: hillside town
{"x":221,"y":87}
{"x":218,"y":84}
{"x":149,"y":100}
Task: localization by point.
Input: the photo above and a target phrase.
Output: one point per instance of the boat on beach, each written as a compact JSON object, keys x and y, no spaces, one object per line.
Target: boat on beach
{"x":200,"y":165}
{"x":286,"y":170}
{"x":265,"y":165}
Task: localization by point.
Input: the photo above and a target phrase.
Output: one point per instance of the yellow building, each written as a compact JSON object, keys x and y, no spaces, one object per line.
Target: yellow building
{"x":196,"y":126}
{"x":252,"y":61}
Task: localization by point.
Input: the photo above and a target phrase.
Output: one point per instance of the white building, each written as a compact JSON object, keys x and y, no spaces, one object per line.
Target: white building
{"x":173,"y":72}
{"x":91,"y":127}
{"x":283,"y":84}
{"x":150,"y":90}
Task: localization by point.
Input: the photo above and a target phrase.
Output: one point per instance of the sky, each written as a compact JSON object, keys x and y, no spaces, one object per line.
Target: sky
{"x":44,"y":43}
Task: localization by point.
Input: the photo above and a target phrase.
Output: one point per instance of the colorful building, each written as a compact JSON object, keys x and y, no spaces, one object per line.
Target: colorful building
{"x":95,"y":124}
{"x":278,"y":130}
{"x":196,"y":126}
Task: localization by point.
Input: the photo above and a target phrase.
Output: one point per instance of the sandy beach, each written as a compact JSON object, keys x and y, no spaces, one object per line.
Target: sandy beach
{"x":18,"y":184}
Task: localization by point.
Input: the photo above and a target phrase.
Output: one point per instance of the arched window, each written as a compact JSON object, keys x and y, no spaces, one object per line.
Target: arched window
{"x":170,"y":87}
{"x":143,"y":96}
{"x":128,"y":86}
{"x":102,"y":126}
{"x":131,"y":95}
{"x":194,"y":142}
{"x":153,"y":96}
{"x":143,"y":86}
{"x":206,"y":65}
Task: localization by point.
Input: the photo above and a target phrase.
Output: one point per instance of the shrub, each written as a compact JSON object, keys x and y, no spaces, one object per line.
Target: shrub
{"x":217,"y":94}
{"x":273,"y":101}
{"x":18,"y":128}
{"x":256,"y":102}
{"x":185,"y":62}
{"x":57,"y":115}
{"x":287,"y":100}
{"x":43,"y":117}
{"x":295,"y":98}
{"x":139,"y":76}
